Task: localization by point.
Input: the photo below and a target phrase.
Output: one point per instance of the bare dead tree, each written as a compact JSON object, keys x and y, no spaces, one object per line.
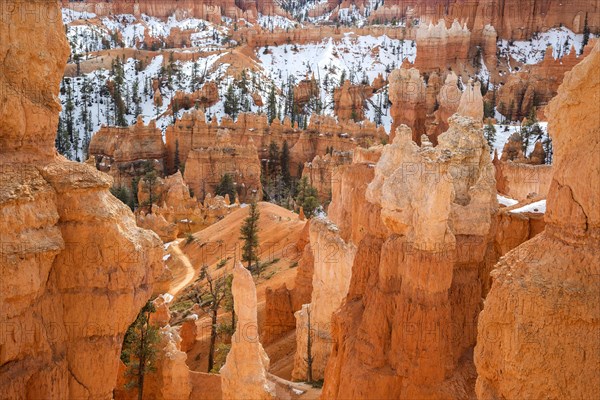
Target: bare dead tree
{"x":209,"y":297}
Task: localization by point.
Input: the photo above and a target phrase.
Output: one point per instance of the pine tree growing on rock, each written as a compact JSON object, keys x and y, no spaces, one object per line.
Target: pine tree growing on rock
{"x":586,"y":33}
{"x":284,"y":164}
{"x":140,"y":347}
{"x":307,"y":197}
{"x":226,"y":186}
{"x":249,"y":234}
{"x":489,"y":132}
{"x":231,"y":105}
{"x":272,"y":105}
{"x":150,"y":179}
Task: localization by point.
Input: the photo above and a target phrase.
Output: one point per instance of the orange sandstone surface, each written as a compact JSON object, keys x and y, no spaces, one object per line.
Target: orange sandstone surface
{"x":74,"y":267}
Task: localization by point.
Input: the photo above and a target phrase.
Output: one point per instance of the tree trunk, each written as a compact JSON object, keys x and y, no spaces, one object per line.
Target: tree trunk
{"x":213,"y":339}
{"x":142,"y":361}
{"x":309,"y":359}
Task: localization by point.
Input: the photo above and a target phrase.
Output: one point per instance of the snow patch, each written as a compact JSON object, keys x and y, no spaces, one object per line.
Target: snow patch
{"x":506,"y":201}
{"x":536,"y":207}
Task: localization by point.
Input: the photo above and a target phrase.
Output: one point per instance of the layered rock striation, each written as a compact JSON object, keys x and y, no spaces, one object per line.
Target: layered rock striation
{"x":408,"y":324}
{"x":74,"y":267}
{"x":124,"y":153}
{"x":244,"y":374}
{"x":332,"y":270}
{"x":537,"y":333}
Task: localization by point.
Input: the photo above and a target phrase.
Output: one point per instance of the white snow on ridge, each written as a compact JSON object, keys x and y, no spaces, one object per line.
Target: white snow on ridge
{"x":86,"y":38}
{"x":533,"y":51}
{"x":357,"y":55}
{"x":506,"y":201}
{"x":352,"y":16}
{"x":358,"y":58}
{"x":272,"y":22}
{"x":69,"y":15}
{"x":536,"y":207}
{"x":504,"y":132}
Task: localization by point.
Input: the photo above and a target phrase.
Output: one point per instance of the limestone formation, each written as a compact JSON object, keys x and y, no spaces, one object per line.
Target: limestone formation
{"x":202,"y":98}
{"x":349,"y":210}
{"x":281,"y":302}
{"x":522,"y":181}
{"x":537,"y":334}
{"x":171,"y":378}
{"x":333,"y":260}
{"x":203,"y":9}
{"x":321,"y":172}
{"x":123,"y":153}
{"x":407,"y":326}
{"x":74,"y":267}
{"x":471,"y":102}
{"x":536,"y":83}
{"x":205,"y":167}
{"x":349,"y":101}
{"x":192,"y":132}
{"x":448,"y":100}
{"x":244,"y":374}
{"x":407,"y":94}
{"x":514,"y":19}
{"x":440,"y":47}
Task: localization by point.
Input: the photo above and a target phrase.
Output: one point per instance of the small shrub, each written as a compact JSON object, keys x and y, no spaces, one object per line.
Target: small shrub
{"x":182,"y":305}
{"x":189,"y":238}
{"x":317,"y":384}
{"x":294,"y":264}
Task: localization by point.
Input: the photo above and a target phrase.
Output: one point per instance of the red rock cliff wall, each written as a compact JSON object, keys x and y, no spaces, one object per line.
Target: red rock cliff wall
{"x":74,"y":267}
{"x":538,"y":331}
{"x":513,"y":19}
{"x":407,"y":326}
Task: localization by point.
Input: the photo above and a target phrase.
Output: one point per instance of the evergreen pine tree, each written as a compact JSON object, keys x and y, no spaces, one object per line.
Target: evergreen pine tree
{"x":123,"y":194}
{"x":209,"y":298}
{"x":249,"y":234}
{"x":284,"y":164}
{"x":272,"y":105}
{"x":226,"y":186}
{"x":273,"y":158}
{"x":136,"y":97}
{"x":586,"y":33}
{"x":69,"y":118}
{"x":489,"y":132}
{"x":62,"y":142}
{"x":140,"y":347}
{"x":231,"y":104}
{"x":343,"y":78}
{"x":150,"y":178}
{"x":307,"y":197}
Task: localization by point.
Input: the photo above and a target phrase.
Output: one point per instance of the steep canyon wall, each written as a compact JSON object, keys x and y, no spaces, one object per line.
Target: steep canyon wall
{"x":75,"y":268}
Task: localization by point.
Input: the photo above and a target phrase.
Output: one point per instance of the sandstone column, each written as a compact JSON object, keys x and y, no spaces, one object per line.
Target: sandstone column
{"x":538,"y":332}
{"x":244,"y":375}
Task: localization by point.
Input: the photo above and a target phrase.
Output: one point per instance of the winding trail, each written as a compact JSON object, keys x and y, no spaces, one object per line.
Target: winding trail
{"x":182,"y":276}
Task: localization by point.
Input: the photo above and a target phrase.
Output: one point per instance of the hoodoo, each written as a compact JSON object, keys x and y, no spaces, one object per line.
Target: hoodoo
{"x":537,"y":334}
{"x":245,"y":371}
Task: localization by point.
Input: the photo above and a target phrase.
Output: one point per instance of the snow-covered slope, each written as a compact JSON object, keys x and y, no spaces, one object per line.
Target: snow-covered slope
{"x":88,"y":104}
{"x":532,"y":51}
